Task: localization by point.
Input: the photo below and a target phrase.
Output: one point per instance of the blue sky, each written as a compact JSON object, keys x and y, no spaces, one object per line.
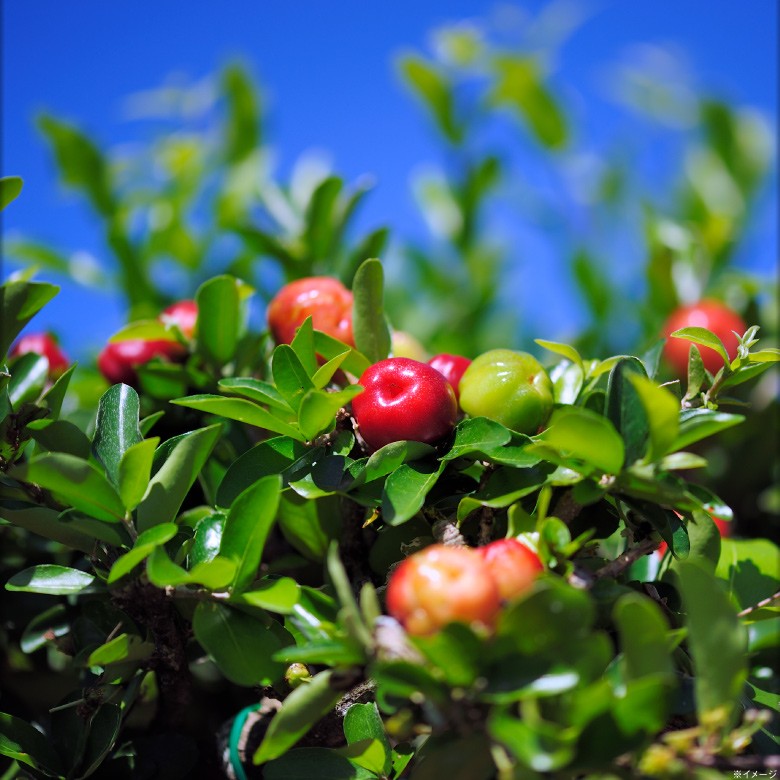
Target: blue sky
{"x":329,"y":82}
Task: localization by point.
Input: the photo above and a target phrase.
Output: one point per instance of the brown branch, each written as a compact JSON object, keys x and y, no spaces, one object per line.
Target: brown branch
{"x":622,"y":562}
{"x":763,"y":603}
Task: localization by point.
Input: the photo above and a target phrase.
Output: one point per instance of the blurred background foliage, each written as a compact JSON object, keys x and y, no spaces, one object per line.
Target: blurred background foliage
{"x":518,"y":183}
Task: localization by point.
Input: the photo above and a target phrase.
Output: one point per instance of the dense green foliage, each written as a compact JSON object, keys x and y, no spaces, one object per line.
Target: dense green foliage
{"x":217,"y":539}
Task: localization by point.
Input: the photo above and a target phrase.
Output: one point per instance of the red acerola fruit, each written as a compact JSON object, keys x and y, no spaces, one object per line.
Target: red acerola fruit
{"x":322,"y":298}
{"x":442,"y":584}
{"x":45,"y":345}
{"x":183,"y":314}
{"x":451,"y":367}
{"x":512,"y":565}
{"x":118,"y":360}
{"x":712,"y":315}
{"x":404,"y":399}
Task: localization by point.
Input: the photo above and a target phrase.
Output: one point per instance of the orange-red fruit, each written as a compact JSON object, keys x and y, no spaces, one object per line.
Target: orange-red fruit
{"x":442,"y":584}
{"x":45,"y":345}
{"x":512,"y":565}
{"x":712,"y":315}
{"x":183,"y":314}
{"x":326,"y":300}
{"x":119,"y":360}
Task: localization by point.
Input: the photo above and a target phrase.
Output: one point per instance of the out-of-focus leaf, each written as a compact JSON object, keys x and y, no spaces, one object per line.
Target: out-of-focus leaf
{"x":242,"y":126}
{"x":308,"y":762}
{"x":567,"y":351}
{"x":215,"y":574}
{"x":125,"y":647}
{"x":519,"y":84}
{"x":751,"y":569}
{"x":300,"y":711}
{"x":276,"y":595}
{"x":80,"y":162}
{"x":220,"y":317}
{"x":60,"y":436}
{"x":22,"y":742}
{"x":170,"y":485}
{"x":362,"y":721}
{"x":372,"y":336}
{"x":77,"y":482}
{"x":50,"y":578}
{"x":241,"y":645}
{"x":717,"y":643}
{"x":116,"y":429}
{"x":247,"y":526}
{"x":436,"y":93}
{"x":19,"y":302}
{"x":10,"y":187}
{"x":320,"y":219}
{"x":643,"y":638}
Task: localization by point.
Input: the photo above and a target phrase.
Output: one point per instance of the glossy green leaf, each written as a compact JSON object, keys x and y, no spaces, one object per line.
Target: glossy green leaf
{"x":241,"y":645}
{"x":327,"y":346}
{"x":323,"y":375}
{"x":144,"y":545}
{"x":704,"y":337}
{"x":303,"y":346}
{"x":317,"y":412}
{"x":45,"y":627}
{"x":697,"y":373}
{"x":103,"y":731}
{"x":220,"y":317}
{"x":215,"y":574}
{"x":372,"y":335}
{"x":45,"y":523}
{"x":60,"y":436}
{"x":388,"y":458}
{"x":586,"y":436}
{"x":116,"y":428}
{"x":19,"y":302}
{"x":134,"y":471}
{"x":272,"y":456}
{"x":350,"y":611}
{"x":405,"y":490}
{"x":368,"y":754}
{"x":276,"y":595}
{"x":291,"y":378}
{"x":477,"y":434}
{"x":10,"y":187}
{"x":170,"y":485}
{"x":77,"y":482}
{"x":567,"y":351}
{"x":717,"y":643}
{"x":507,"y":485}
{"x":125,"y":647}
{"x":246,"y":529}
{"x":300,"y":711}
{"x":206,"y":539}
{"x":625,"y":409}
{"x":255,"y":390}
{"x":310,"y":525}
{"x":22,"y":742}
{"x":28,"y":378}
{"x":697,"y":424}
{"x":662,"y":411}
{"x":50,"y":578}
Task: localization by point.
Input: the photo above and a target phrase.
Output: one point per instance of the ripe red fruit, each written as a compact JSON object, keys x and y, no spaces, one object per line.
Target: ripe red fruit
{"x":442,"y":584}
{"x":322,"y":298}
{"x":712,"y":315}
{"x":451,"y":367}
{"x":118,"y":360}
{"x":512,"y":565}
{"x":183,"y":314}
{"x":45,"y":345}
{"x":404,"y":399}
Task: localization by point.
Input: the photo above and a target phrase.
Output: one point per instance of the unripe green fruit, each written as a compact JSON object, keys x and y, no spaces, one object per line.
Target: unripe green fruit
{"x":509,"y":387}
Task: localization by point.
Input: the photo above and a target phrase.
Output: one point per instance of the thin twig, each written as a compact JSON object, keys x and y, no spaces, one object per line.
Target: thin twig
{"x":764,"y":603}
{"x":622,"y":562}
